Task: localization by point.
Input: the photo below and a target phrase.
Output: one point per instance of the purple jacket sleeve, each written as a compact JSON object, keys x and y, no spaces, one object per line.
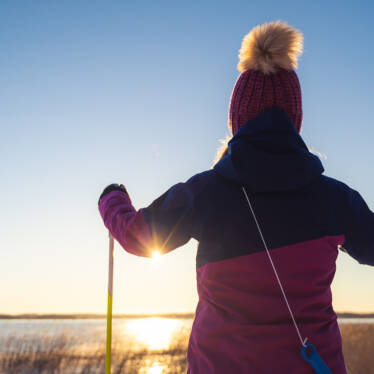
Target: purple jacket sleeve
{"x":126,"y":224}
{"x":164,"y":225}
{"x":359,"y":229}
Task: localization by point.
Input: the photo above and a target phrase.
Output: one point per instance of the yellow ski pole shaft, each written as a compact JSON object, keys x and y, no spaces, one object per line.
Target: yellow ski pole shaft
{"x":108,"y":354}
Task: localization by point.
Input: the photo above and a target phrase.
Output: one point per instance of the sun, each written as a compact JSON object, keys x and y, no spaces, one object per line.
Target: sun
{"x":156,"y":256}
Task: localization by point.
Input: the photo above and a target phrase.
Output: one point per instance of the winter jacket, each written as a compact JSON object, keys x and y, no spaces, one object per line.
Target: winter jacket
{"x":242,"y":324}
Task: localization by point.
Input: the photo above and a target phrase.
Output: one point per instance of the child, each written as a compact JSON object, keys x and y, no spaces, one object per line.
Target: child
{"x":242,"y":322}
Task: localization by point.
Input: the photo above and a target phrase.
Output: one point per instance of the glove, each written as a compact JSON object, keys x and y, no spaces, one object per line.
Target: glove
{"x":112,"y":187}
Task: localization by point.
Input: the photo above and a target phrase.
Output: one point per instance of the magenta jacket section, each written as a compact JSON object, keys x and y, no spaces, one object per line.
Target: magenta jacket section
{"x":242,"y":324}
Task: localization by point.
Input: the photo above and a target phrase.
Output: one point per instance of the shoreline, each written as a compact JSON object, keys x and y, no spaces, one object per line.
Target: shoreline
{"x":156,"y":315}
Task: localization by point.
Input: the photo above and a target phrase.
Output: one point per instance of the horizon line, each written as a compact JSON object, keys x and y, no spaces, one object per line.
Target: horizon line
{"x":138,"y":315}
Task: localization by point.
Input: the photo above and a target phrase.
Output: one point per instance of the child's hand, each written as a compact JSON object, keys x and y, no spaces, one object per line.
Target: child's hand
{"x":113,"y":187}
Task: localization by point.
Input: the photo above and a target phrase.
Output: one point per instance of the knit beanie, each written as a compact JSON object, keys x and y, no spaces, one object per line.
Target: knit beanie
{"x":267,"y":57}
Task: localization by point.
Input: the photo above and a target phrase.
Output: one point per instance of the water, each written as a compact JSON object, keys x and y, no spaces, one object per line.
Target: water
{"x":152,"y":345}
{"x":152,"y":333}
{"x":355,"y":320}
{"x":157,"y":336}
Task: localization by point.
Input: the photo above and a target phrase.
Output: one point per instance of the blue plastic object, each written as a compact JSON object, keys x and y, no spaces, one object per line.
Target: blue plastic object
{"x":314,"y":360}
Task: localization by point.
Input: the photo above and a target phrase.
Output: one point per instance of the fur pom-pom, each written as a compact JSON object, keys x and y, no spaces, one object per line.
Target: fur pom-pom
{"x":270,"y":46}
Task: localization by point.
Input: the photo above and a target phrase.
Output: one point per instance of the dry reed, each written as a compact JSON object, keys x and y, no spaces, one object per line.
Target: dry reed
{"x":62,"y":355}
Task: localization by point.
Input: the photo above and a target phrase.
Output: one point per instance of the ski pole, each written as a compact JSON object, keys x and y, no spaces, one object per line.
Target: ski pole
{"x":108,"y":354}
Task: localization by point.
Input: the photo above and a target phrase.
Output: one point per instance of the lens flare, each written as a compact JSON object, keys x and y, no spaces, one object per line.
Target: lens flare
{"x":156,"y":256}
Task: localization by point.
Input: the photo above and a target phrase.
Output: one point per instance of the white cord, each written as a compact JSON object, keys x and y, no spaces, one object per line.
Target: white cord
{"x":303,"y":342}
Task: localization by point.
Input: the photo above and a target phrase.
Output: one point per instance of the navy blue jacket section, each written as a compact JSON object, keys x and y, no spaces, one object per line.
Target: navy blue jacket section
{"x":171,"y":217}
{"x":292,"y":200}
{"x":268,"y":154}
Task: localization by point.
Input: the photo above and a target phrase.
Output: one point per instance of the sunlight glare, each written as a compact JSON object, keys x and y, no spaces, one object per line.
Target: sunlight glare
{"x":155,"y":369}
{"x":155,"y":332}
{"x":156,"y":256}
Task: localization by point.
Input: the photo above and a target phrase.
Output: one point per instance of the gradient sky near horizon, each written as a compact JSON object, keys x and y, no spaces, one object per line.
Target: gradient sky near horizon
{"x":95,"y":92}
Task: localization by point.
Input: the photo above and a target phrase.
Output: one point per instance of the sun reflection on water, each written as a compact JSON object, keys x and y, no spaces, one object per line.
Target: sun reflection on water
{"x":154,"y":333}
{"x":156,"y":368}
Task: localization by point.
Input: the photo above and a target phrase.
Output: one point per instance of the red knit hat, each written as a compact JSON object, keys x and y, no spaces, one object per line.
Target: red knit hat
{"x":267,"y":57}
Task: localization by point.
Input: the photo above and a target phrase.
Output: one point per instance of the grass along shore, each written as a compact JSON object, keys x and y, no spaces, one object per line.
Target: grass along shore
{"x":60,"y":355}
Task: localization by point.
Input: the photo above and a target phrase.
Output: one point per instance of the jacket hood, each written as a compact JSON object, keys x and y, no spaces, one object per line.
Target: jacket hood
{"x":268,"y":154}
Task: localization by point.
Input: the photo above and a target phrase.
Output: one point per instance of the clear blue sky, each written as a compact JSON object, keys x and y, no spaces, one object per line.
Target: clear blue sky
{"x":95,"y":92}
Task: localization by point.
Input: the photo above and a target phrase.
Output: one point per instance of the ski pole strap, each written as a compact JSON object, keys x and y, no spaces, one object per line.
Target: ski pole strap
{"x":302,"y":341}
{"x":314,"y":360}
